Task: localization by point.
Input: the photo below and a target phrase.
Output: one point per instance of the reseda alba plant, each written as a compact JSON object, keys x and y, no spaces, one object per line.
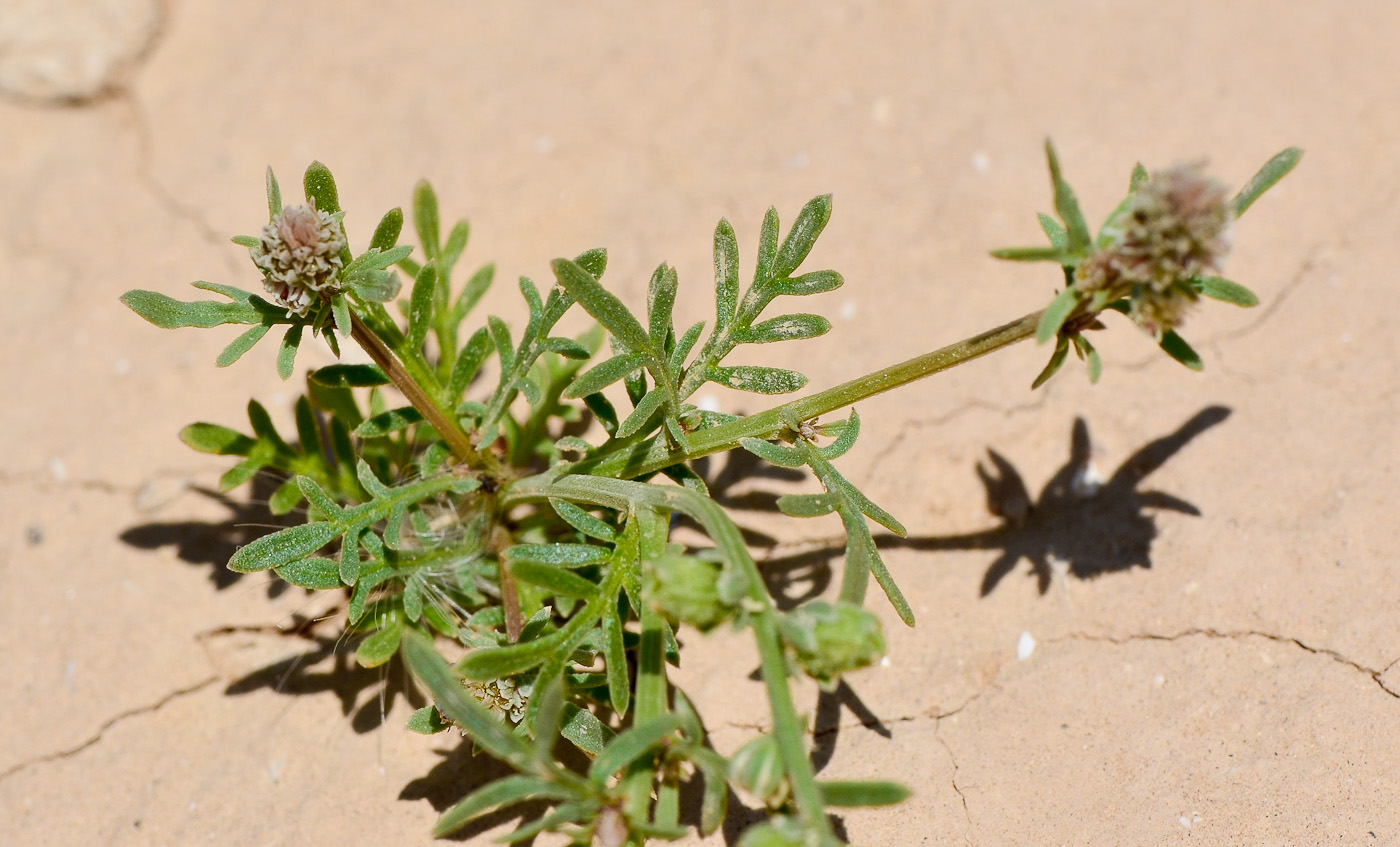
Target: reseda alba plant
{"x":525,"y":575}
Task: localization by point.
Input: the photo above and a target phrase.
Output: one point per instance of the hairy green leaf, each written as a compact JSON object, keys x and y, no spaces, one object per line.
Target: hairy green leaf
{"x":803,"y":235}
{"x":759,"y":380}
{"x":349,"y":376}
{"x":1274,"y":170}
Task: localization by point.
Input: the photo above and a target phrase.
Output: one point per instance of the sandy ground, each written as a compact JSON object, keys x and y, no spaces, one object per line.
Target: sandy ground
{"x":1226,"y":676}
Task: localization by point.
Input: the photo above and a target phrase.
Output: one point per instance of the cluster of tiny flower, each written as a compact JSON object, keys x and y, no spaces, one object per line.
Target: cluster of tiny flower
{"x":299,"y":255}
{"x":501,"y":696}
{"x":1175,"y":227}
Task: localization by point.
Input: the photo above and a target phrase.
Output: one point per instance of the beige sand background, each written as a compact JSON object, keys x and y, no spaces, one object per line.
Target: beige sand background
{"x":1240,"y":690}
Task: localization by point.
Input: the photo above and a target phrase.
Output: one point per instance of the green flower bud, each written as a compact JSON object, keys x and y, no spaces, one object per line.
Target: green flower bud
{"x":831,"y":639}
{"x":757,"y":768}
{"x":686,"y":589}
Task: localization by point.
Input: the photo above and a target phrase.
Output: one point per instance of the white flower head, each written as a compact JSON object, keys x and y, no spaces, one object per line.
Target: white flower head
{"x":299,"y":255}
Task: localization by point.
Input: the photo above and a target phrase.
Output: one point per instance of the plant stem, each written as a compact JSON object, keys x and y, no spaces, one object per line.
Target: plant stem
{"x":637,"y":458}
{"x":451,"y":432}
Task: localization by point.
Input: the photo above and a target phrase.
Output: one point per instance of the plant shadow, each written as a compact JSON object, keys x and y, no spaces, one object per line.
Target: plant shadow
{"x":211,"y":544}
{"x":1080,"y":524}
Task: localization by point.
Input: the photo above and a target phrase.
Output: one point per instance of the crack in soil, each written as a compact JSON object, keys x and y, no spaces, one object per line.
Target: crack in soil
{"x":138,"y":711}
{"x":1335,"y":656}
{"x":145,"y":174}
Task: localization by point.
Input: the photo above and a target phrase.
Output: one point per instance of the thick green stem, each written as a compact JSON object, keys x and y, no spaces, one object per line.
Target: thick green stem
{"x":446,"y":426}
{"x":643,"y":457}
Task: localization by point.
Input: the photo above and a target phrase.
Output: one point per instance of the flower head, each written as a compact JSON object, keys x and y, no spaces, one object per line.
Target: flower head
{"x":1174,"y":228}
{"x":299,"y":255}
{"x":501,"y":696}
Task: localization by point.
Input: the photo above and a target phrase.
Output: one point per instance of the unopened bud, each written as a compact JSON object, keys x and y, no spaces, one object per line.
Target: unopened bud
{"x":831,"y":639}
{"x":299,"y":255}
{"x":757,"y":768}
{"x":686,"y":589}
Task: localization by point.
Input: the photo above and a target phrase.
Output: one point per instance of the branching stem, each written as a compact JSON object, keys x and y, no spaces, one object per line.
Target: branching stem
{"x":637,"y":458}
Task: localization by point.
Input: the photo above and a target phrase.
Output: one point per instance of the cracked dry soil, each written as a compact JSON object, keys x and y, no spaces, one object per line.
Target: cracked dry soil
{"x":1215,"y":646}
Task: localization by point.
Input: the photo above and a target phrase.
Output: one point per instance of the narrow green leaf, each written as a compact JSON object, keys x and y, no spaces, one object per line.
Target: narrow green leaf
{"x":1225,"y":290}
{"x":566,"y":347}
{"x":562,"y":814}
{"x":242,"y":344}
{"x":1059,"y":238}
{"x":1057,"y":359}
{"x":1274,"y":170}
{"x":500,"y":336}
{"x":216,"y":439}
{"x":319,"y":497}
{"x":381,"y":646}
{"x":874,"y":512}
{"x":489,"y":663}
{"x":661,"y":299}
{"x":349,"y":376}
{"x":726,"y":275}
{"x":1066,"y":205}
{"x":287,"y":354}
{"x":582,"y":521}
{"x":456,"y":243}
{"x":245,"y":241}
{"x":1138,"y":179}
{"x":420,"y":306}
{"x":851,"y":794}
{"x":312,"y":572}
{"x":388,"y":422}
{"x":632,"y":745}
{"x":759,"y":380}
{"x":469,"y":361}
{"x":320,"y":188}
{"x":803,"y":235}
{"x":812,"y":282}
{"x":861,"y":552}
{"x":1092,"y":357}
{"x":349,"y":566}
{"x":386,"y":234}
{"x":767,"y":247}
{"x":1056,"y":314}
{"x":602,"y":305}
{"x":340,"y":314}
{"x":774,"y":454}
{"x":548,"y":696}
{"x":602,"y":375}
{"x":169,"y":313}
{"x":241,"y":473}
{"x":375,"y":286}
{"x":615,"y":658}
{"x":427,"y":721}
{"x":1058,"y":255}
{"x":425,"y":219}
{"x":1176,"y":347}
{"x":786,"y":328}
{"x":559,"y":555}
{"x":376,"y":259}
{"x":282,"y":547}
{"x":807,"y":505}
{"x":583,"y":729}
{"x":274,"y":195}
{"x":501,"y":793}
{"x":845,"y":439}
{"x":369,"y":481}
{"x":645,"y":408}
{"x":678,"y":355}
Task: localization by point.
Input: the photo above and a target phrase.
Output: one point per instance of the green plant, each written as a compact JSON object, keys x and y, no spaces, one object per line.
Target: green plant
{"x":475,"y":514}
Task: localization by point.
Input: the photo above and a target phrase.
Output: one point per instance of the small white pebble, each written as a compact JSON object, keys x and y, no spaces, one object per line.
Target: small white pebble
{"x":708,"y":403}
{"x":544,"y":145}
{"x":1185,"y":821}
{"x":193,"y":805}
{"x":799,"y":160}
{"x":59,"y":469}
{"x":274,"y":769}
{"x":1025,"y":646}
{"x":123,"y":367}
{"x":847,"y":311}
{"x":981,"y":162}
{"x":1160,"y":680}
{"x":884,"y":661}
